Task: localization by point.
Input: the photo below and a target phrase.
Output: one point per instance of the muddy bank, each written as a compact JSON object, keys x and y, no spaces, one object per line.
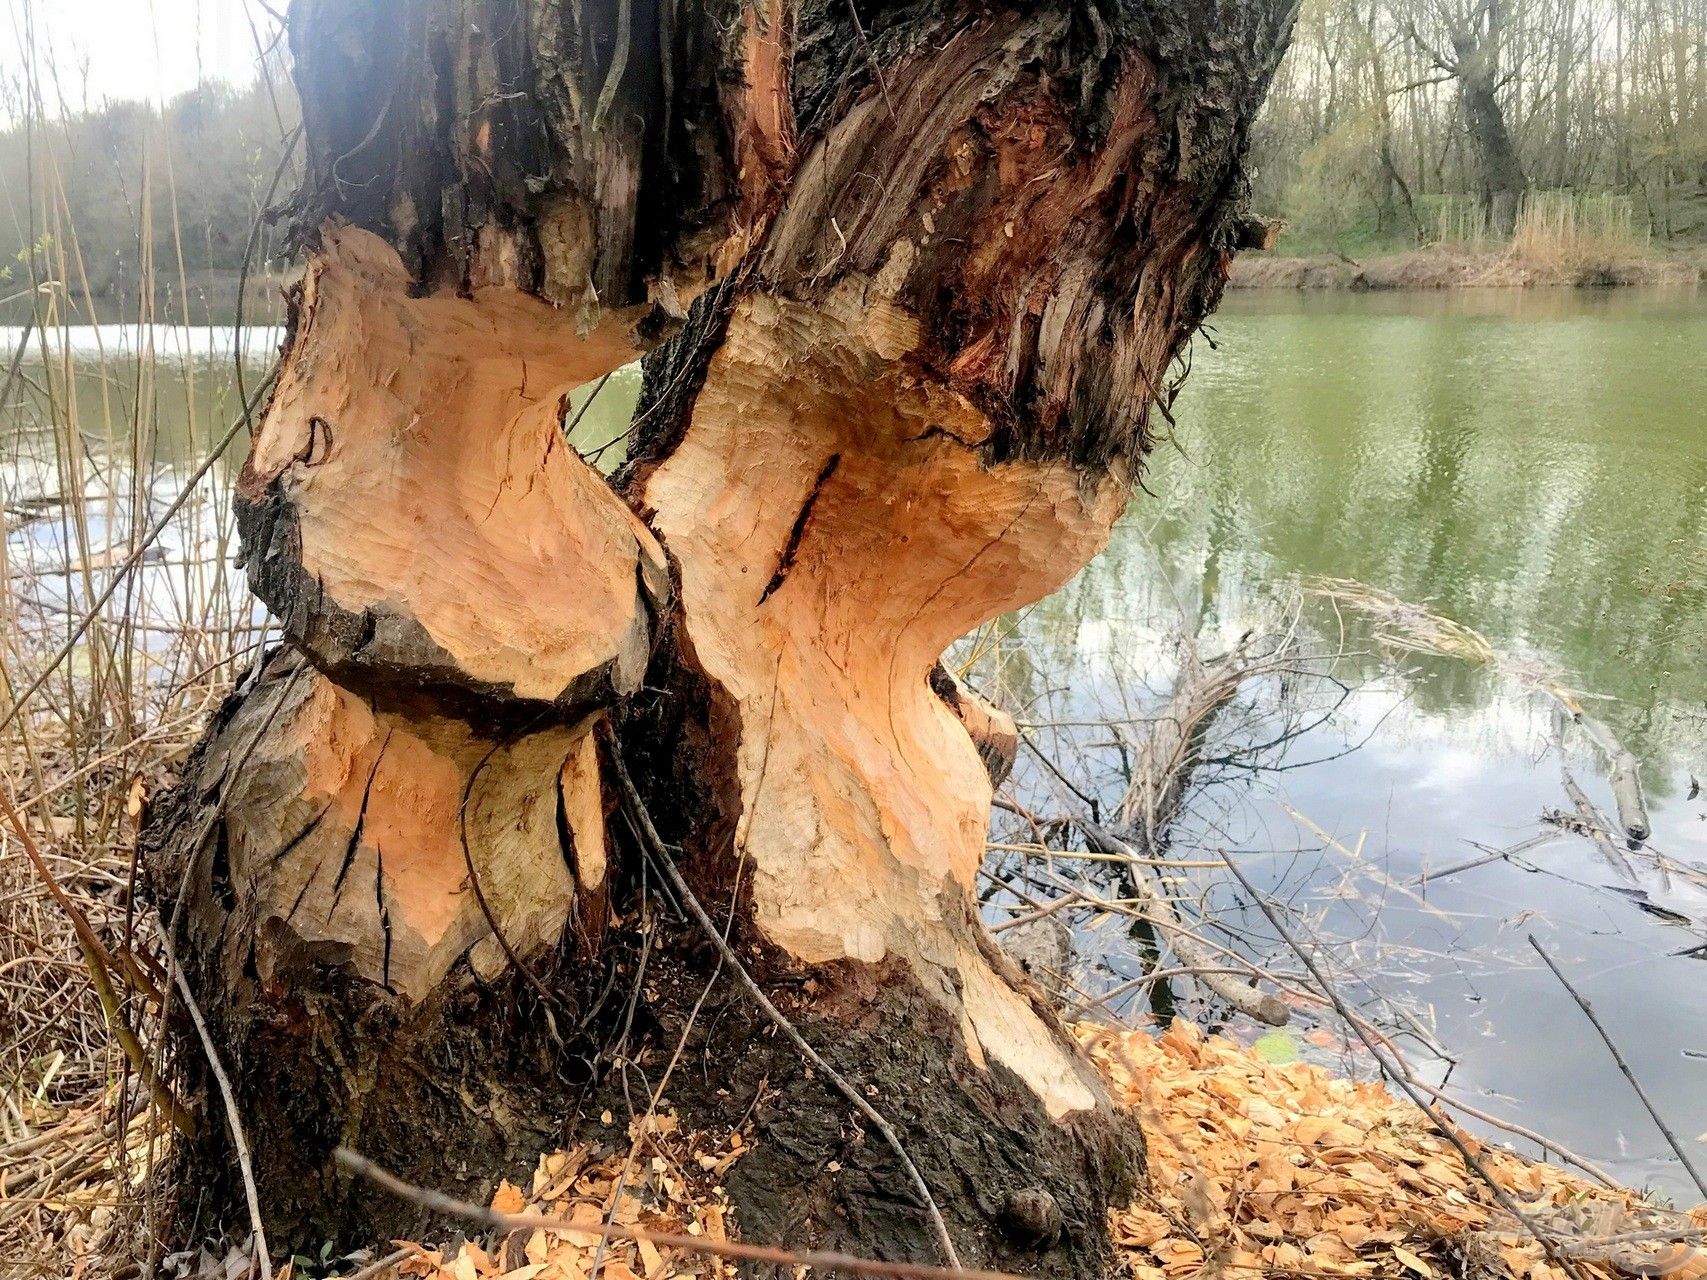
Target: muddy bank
{"x":1448,"y":268}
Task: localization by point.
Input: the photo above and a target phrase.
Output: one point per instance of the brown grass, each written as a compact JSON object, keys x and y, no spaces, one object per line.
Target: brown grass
{"x":1446,"y":267}
{"x":98,"y":704}
{"x":1561,"y":239}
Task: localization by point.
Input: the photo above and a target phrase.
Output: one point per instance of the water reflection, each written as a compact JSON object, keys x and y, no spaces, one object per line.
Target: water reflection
{"x":1533,"y":465}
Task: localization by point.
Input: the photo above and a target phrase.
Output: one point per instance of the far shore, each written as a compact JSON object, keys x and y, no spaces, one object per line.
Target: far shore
{"x":1445,"y":267}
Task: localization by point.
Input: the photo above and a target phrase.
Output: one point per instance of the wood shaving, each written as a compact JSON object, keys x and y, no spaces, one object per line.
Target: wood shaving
{"x":1258,"y":1168}
{"x":673,"y":1185}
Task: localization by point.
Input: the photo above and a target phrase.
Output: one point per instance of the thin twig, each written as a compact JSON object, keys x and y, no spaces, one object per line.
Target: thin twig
{"x":18,"y":356}
{"x":245,"y":1165}
{"x":1618,"y":1057}
{"x":390,"y":1260}
{"x":871,"y":57}
{"x":661,"y":855}
{"x":1541,"y":1140}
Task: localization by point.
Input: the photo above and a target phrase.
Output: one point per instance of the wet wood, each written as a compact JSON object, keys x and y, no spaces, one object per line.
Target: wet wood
{"x":1625,"y":777}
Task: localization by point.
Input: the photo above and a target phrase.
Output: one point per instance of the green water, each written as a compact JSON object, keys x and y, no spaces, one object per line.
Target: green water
{"x":1535,"y":466}
{"x":1531,"y":464}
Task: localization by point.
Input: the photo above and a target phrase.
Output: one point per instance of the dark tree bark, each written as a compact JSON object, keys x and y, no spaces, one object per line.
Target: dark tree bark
{"x":909,"y":276}
{"x":1500,"y":177}
{"x":1474,"y":33}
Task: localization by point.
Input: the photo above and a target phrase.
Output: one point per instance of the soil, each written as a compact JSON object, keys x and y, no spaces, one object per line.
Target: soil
{"x":1447,"y":267}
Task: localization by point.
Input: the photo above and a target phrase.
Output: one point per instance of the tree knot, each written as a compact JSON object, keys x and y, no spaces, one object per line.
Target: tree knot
{"x":1030,"y":1217}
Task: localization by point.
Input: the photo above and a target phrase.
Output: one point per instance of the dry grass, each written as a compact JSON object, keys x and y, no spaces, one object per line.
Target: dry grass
{"x":1413,"y":628}
{"x":1447,"y":267}
{"x":77,"y":1135}
{"x":1570,"y":233}
{"x":121,"y":623}
{"x":1562,"y":238}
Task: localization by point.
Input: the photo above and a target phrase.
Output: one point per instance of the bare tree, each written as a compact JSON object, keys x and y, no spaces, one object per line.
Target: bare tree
{"x":1463,"y":39}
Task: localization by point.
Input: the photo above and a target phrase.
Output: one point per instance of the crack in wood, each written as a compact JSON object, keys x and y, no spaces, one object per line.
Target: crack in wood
{"x":384,"y":915}
{"x":300,"y":895}
{"x":565,"y":832}
{"x":290,"y":845}
{"x":356,"y":834}
{"x":792,"y":547}
{"x":370,"y":629}
{"x":937,"y":431}
{"x":319,"y":434}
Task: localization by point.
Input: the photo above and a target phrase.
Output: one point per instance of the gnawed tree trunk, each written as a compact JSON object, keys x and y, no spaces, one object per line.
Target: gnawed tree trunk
{"x":917,"y":272}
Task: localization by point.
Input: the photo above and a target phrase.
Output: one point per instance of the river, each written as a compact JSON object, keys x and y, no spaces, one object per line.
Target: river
{"x":1530,"y":464}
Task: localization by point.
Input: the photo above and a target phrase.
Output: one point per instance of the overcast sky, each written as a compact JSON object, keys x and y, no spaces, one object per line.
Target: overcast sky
{"x":106,"y":49}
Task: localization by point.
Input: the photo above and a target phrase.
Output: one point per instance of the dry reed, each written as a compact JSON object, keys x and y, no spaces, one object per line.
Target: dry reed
{"x":106,"y":406}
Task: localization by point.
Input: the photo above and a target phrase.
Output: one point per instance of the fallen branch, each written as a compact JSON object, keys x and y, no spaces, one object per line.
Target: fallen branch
{"x":1623,"y":1066}
{"x":1165,"y":759}
{"x":1263,"y":1006}
{"x":1488,"y":855}
{"x":1625,"y":776}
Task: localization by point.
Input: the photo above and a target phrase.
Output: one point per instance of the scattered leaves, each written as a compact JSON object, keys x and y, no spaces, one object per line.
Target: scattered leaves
{"x":673,"y":1185}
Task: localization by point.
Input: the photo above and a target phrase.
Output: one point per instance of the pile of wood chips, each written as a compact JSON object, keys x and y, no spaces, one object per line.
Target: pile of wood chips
{"x":1265,"y":1169}
{"x":672,"y":1185}
{"x":1256,"y":1169}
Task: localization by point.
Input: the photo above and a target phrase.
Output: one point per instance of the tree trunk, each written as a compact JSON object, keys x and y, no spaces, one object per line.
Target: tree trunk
{"x":1500,"y":178}
{"x":909,"y":277}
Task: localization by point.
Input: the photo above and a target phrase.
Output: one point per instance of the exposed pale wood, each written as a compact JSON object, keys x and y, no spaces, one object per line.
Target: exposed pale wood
{"x":350,"y":835}
{"x":837,"y":528}
{"x":413,"y":512}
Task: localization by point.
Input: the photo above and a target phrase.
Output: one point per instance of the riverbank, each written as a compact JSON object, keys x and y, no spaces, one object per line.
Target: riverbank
{"x":1451,"y":267}
{"x":207,"y":297}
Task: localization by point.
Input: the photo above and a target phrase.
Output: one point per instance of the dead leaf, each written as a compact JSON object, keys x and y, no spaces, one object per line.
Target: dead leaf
{"x":1413,"y":1263}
